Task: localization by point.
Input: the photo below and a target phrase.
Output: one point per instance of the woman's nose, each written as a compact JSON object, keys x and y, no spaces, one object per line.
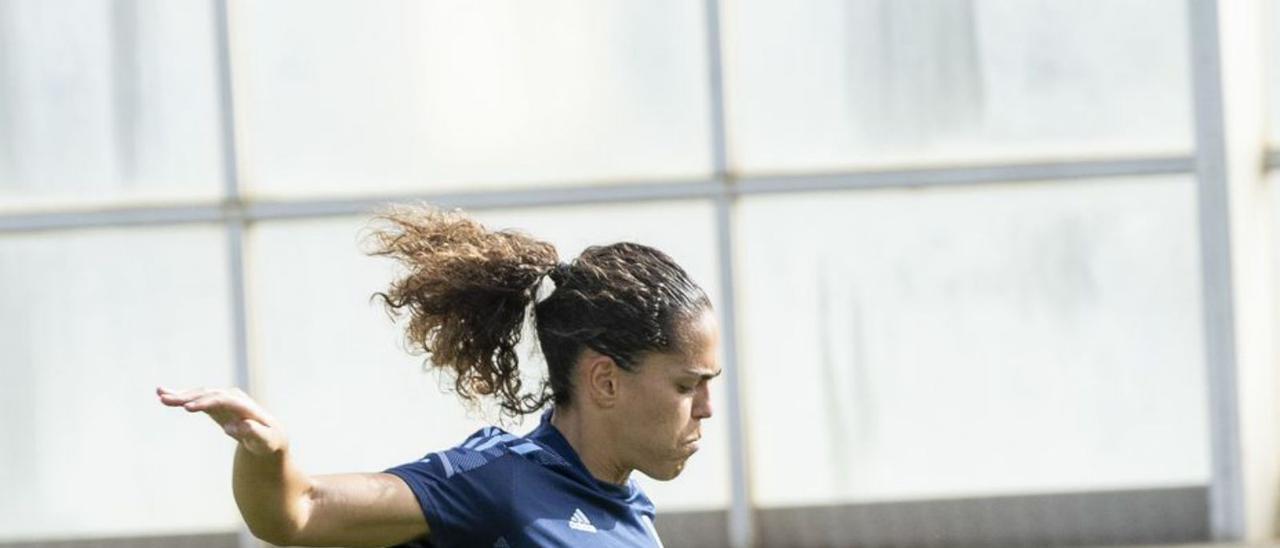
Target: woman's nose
{"x":702,"y":404}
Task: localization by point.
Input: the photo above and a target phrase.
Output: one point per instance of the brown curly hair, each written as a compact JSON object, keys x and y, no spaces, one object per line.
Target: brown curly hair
{"x":467,"y":292}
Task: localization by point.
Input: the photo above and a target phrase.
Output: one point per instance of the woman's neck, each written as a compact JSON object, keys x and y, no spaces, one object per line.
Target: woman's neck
{"x":591,"y":441}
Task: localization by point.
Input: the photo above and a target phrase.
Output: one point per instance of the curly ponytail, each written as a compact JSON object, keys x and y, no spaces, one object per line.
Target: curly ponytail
{"x":468,"y":290}
{"x":466,"y":294}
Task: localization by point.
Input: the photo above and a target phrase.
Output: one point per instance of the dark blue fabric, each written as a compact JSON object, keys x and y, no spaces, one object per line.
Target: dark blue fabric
{"x":496,"y":489}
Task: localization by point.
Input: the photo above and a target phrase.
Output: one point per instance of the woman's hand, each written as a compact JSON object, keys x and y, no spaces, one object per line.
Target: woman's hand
{"x":238,"y":415}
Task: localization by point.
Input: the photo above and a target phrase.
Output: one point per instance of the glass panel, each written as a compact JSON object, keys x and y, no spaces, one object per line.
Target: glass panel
{"x":425,"y":96}
{"x":831,"y":83}
{"x":1272,"y":59}
{"x":107,"y":102}
{"x":90,"y":323}
{"x":966,"y":342}
{"x":332,"y":366}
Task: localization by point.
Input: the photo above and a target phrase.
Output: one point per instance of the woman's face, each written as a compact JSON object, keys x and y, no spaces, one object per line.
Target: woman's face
{"x":665,"y":401}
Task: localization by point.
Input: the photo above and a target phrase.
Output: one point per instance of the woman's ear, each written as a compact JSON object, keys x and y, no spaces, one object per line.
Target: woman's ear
{"x":600,"y":379}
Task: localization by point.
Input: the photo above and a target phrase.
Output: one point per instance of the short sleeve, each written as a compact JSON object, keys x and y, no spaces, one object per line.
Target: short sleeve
{"x":464,"y":493}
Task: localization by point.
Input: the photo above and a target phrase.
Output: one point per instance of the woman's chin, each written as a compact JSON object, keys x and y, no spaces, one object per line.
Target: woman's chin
{"x":667,"y":471}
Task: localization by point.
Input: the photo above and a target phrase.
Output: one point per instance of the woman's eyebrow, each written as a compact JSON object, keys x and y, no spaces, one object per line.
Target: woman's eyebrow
{"x":703,"y":375}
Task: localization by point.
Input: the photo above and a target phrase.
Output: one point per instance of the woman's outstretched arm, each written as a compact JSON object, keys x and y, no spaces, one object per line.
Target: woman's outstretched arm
{"x":283,"y":505}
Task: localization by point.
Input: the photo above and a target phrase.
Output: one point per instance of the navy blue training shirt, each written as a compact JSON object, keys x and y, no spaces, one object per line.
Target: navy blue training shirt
{"x":500,"y":490}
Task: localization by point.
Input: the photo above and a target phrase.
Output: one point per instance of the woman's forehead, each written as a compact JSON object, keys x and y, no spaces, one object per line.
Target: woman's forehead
{"x":700,"y":335}
{"x":701,"y":363}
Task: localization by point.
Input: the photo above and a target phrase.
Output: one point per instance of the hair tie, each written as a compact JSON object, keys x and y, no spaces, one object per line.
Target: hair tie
{"x":560,"y":272}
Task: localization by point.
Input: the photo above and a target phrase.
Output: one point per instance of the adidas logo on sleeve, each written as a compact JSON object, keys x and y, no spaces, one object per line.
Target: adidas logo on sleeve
{"x":580,"y":522}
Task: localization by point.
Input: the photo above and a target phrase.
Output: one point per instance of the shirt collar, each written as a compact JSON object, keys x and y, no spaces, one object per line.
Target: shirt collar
{"x":550,"y":437}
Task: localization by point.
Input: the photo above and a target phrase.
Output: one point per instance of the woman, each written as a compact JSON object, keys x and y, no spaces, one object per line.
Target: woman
{"x":630,"y":345}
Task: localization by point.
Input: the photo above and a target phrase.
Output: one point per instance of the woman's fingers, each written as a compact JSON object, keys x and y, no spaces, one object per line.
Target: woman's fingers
{"x":177,"y":399}
{"x":230,"y":405}
{"x":207,"y":402}
{"x":172,"y":400}
{"x":184,"y":395}
{"x":218,"y":402}
{"x":239,"y":416}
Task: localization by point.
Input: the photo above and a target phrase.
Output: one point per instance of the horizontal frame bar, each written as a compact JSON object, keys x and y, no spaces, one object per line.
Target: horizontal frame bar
{"x":115,"y":217}
{"x":972,"y":175}
{"x":541,"y":197}
{"x":252,"y":210}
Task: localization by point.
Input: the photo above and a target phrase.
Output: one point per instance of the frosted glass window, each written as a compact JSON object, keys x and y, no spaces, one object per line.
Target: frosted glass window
{"x":831,"y":83}
{"x":90,"y":323}
{"x":332,"y":366}
{"x":424,"y":96}
{"x":107,"y":102}
{"x":965,"y":342}
{"x":1272,"y":59}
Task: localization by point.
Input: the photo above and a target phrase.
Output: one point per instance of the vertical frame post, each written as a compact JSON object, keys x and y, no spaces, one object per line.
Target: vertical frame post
{"x":740,"y":523}
{"x":1226,"y":490}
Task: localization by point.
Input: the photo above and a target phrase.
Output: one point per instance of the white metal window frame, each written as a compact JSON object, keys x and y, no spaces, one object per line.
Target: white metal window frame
{"x":1207,"y":163}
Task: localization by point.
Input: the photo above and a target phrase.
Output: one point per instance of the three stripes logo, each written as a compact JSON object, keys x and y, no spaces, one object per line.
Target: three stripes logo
{"x":579,"y":522}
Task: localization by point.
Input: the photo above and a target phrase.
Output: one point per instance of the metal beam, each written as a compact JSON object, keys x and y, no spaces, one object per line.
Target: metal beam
{"x":969,"y":175}
{"x":741,"y":519}
{"x":234,"y":219}
{"x":715,"y":89}
{"x":252,"y":210}
{"x":498,"y":199}
{"x":1226,"y":491}
{"x":121,"y":217}
{"x":1272,"y":160}
{"x":231,"y":188}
